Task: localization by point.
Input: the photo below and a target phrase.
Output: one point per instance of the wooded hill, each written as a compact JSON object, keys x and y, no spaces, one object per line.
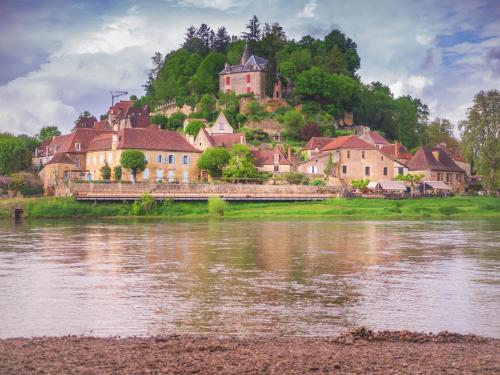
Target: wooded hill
{"x":323,"y":73}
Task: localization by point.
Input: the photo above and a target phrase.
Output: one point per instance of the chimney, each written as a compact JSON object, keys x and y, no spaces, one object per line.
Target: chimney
{"x":396,"y":149}
{"x":289,"y":153}
{"x":114,"y":141}
{"x":435,"y":153}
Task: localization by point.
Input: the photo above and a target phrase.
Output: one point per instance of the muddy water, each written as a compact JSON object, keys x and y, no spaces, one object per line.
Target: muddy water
{"x":248,"y":277}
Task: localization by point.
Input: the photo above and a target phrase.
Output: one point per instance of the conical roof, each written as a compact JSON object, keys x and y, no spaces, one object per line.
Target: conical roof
{"x":246,"y":55}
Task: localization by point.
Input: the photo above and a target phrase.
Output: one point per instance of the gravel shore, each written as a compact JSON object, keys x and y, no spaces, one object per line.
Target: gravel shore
{"x":358,"y":352}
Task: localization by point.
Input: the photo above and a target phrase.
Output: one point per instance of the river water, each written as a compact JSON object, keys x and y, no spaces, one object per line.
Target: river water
{"x":248,"y":277}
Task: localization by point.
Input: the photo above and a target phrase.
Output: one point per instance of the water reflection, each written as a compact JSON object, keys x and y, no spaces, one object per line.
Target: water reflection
{"x":252,"y":277}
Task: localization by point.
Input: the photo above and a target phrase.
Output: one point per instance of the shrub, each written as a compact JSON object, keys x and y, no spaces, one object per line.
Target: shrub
{"x":193,"y":128}
{"x":176,"y":120}
{"x":106,"y":172}
{"x":117,"y":173}
{"x":147,"y":202}
{"x":360,"y":184}
{"x":294,"y":178}
{"x":254,"y":108}
{"x":213,"y":160}
{"x":160,"y":120}
{"x":216,"y":206}
{"x":134,"y":160}
{"x":26,"y":183}
{"x":317,"y":182}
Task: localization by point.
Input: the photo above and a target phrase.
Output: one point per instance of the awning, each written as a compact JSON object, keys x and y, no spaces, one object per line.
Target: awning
{"x":392,"y":185}
{"x":437,"y":185}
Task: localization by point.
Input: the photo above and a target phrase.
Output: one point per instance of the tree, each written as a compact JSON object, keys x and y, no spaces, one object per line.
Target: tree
{"x":160,"y":120}
{"x":360,"y":185}
{"x":15,"y":154}
{"x":157,"y":61}
{"x":214,"y":160}
{"x":271,"y":72}
{"x":193,"y":128}
{"x":221,"y":41}
{"x":105,"y":172}
{"x":84,"y":114}
{"x":176,"y":120}
{"x":47,"y":132}
{"x":134,"y":160}
{"x":241,"y":164}
{"x":310,"y":130}
{"x":294,"y":121}
{"x":413,"y":179}
{"x":207,"y":106}
{"x":117,"y":173}
{"x":440,"y":130}
{"x":253,"y":34}
{"x":480,"y":137}
{"x":206,"y":80}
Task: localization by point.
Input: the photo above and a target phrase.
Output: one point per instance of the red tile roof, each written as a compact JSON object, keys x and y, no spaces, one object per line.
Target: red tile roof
{"x":266,"y":157}
{"x":424,"y":159}
{"x":101,"y":125}
{"x":66,"y":143}
{"x":347,"y":141}
{"x":228,"y":140}
{"x":318,"y":143}
{"x":390,"y":149}
{"x":153,"y":139}
{"x":374,"y":138}
{"x":101,"y":142}
{"x":121,"y":106}
{"x":60,"y":159}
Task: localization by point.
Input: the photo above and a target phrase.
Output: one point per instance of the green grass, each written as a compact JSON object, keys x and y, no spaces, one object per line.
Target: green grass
{"x":457,"y":207}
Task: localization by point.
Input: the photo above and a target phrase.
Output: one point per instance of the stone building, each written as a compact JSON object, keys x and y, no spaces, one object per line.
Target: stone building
{"x":351,"y":158}
{"x":248,"y":77}
{"x":437,"y":165}
{"x":204,"y":140}
{"x":170,"y":157}
{"x":271,"y":160}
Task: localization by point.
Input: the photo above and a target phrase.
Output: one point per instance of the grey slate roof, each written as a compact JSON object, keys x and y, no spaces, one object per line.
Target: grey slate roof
{"x":254,"y":63}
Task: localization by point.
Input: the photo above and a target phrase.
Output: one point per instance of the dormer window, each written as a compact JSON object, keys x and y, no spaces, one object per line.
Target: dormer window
{"x":78,"y":146}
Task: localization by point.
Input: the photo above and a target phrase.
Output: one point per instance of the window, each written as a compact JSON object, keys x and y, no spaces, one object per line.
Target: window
{"x":185,"y":176}
{"x":344,"y":169}
{"x":145,"y":176}
{"x":221,"y":126}
{"x":248,"y":90}
{"x":385,"y":171}
{"x":171,"y":176}
{"x":78,"y":146}
{"x":367,"y":171}
{"x":440,"y":177}
{"x":401,"y":171}
{"x":159,"y":175}
{"x":171,"y":159}
{"x":158,"y":159}
{"x":276,"y":168}
{"x":110,"y":158}
{"x":248,"y":78}
{"x":146,"y":156}
{"x":382,"y":158}
{"x":448,"y":177}
{"x":313,"y":169}
{"x":228,"y":80}
{"x":277,"y":94}
{"x":348,"y":153}
{"x":77,"y":163}
{"x":185,"y":160}
{"x":95,"y":159}
{"x":459,"y":177}
{"x":362,"y":154}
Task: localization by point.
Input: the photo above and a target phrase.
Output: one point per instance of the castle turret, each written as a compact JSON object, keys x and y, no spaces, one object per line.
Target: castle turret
{"x":245,"y":56}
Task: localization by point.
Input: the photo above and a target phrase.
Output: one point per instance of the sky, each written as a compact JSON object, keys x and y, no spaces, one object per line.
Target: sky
{"x":60,"y":57}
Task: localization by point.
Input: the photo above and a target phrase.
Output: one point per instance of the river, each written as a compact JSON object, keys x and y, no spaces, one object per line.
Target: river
{"x":248,"y":277}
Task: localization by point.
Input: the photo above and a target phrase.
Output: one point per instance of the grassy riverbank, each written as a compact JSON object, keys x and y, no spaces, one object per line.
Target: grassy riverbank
{"x":436,"y":208}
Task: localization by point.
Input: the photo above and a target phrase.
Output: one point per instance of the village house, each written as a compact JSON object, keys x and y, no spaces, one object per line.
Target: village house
{"x":351,"y":158}
{"x":397,"y":151}
{"x":374,"y":138}
{"x":437,"y":165}
{"x":314,"y":146}
{"x":271,"y":160}
{"x":170,"y":157}
{"x":220,"y":134}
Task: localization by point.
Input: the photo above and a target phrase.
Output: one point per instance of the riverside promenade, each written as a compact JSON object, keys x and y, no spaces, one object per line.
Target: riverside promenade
{"x":114,"y":191}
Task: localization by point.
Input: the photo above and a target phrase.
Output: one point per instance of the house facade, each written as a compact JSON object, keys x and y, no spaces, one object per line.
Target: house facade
{"x":170,"y":157}
{"x":271,"y":160}
{"x":351,"y":158}
{"x":436,"y":164}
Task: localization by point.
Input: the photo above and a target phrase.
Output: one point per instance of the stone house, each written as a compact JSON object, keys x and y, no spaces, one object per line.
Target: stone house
{"x":271,"y":160}
{"x":248,"y":77}
{"x":352,"y":159}
{"x":220,"y":126}
{"x":374,"y":138}
{"x":204,"y":140}
{"x":170,"y":157}
{"x":398,"y":151}
{"x":438,"y":165}
{"x":315,"y":144}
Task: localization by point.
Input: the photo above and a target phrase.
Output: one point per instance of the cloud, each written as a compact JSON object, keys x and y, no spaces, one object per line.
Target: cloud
{"x":309,"y":10}
{"x":413,"y":85}
{"x":223,"y":5}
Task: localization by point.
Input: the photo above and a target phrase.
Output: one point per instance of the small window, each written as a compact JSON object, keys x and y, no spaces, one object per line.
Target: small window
{"x":344,"y":169}
{"x":248,"y":78}
{"x":362,"y":154}
{"x":110,"y":158}
{"x":146,"y":174}
{"x":228,"y":80}
{"x":367,"y":171}
{"x":448,"y":177}
{"x":77,"y":163}
{"x":248,"y":90}
{"x":348,"y":153}
{"x":185,"y":177}
{"x":158,"y":159}
{"x":185,"y":159}
{"x":221,"y":126}
{"x":382,"y":157}
{"x":171,"y":159}
{"x":385,"y":171}
{"x":78,"y":146}
{"x":276,"y":168}
{"x":401,"y":170}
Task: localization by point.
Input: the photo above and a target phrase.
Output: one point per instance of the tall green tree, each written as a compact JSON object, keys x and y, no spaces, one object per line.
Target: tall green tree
{"x":206,"y":80}
{"x":48,"y":132}
{"x":481,"y":137}
{"x":214,"y":160}
{"x":15,"y":153}
{"x":134,"y":160}
{"x":241,"y":164}
{"x":294,"y":122}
